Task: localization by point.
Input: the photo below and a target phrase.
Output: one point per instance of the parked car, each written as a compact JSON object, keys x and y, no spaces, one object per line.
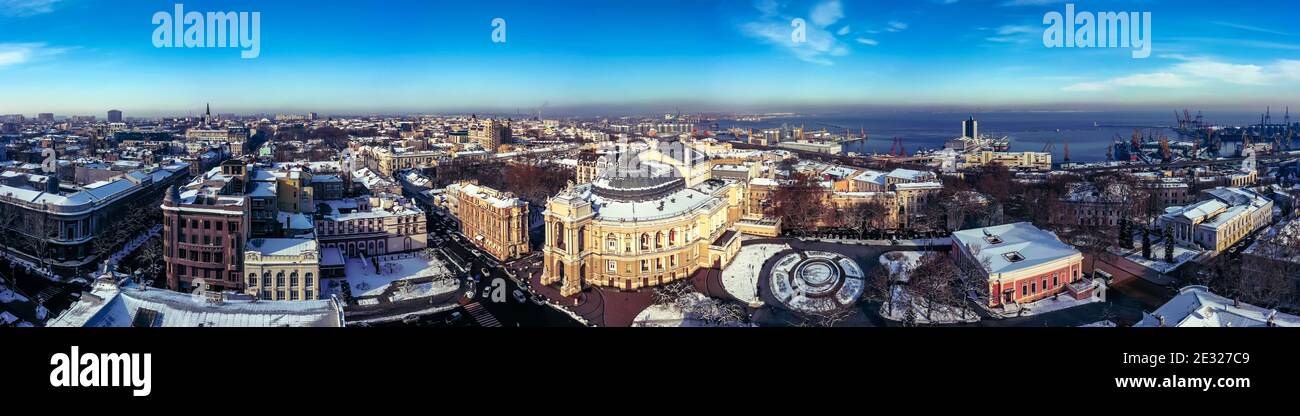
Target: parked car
{"x":520,"y":296}
{"x":453,"y":318}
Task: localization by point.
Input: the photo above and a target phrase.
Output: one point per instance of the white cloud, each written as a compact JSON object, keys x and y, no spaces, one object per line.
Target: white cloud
{"x":870,"y":42}
{"x":767,"y":7}
{"x":1151,"y":80}
{"x":23,"y":8}
{"x":827,"y":13}
{"x":1015,"y":29}
{"x":1199,"y":71}
{"x":1250,"y":28}
{"x":1288,"y":69}
{"x":1226,"y":72}
{"x":896,"y":26}
{"x":821,"y":44}
{"x":1030,"y":2}
{"x":1019,"y":34}
{"x":21,"y":53}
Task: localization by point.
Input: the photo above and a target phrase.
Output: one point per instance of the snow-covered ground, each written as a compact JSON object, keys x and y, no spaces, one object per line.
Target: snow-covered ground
{"x":134,"y":244}
{"x":1061,"y":302}
{"x":941,"y":314}
{"x":660,"y":316}
{"x":901,"y":263}
{"x":740,"y":279}
{"x":32,"y":267}
{"x":365,"y":281}
{"x":671,"y":315}
{"x":8,"y":295}
{"x":1157,"y":262}
{"x":1099,"y":324}
{"x":426,"y":289}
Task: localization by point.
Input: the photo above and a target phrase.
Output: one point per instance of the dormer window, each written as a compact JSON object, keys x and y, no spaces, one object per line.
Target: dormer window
{"x":1014,"y":257}
{"x":993,"y":239}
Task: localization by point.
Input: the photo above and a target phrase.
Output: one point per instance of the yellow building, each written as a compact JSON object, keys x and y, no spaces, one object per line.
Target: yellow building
{"x":1219,"y":222}
{"x":389,"y":162}
{"x":1014,"y":160}
{"x":282,"y":268}
{"x":631,"y":233}
{"x":495,"y":221}
{"x":491,"y":134}
{"x":294,"y":193}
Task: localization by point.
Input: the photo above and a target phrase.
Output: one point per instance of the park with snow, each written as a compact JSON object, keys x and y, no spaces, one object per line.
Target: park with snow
{"x":366,"y":280}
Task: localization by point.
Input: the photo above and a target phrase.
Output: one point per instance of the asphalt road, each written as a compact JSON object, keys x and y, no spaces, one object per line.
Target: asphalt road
{"x":488,"y":275}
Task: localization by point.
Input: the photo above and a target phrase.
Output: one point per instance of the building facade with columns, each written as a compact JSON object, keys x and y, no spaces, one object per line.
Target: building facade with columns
{"x":282,"y":268}
{"x":654,"y":216}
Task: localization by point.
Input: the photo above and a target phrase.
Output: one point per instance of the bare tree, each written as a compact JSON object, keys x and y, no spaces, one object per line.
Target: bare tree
{"x":866,"y":217}
{"x":933,"y":285}
{"x":879,"y":288}
{"x":829,"y":318}
{"x":802,"y":202}
{"x":1092,"y":240}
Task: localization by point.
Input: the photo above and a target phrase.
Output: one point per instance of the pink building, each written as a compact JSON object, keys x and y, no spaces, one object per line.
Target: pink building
{"x":1021,"y":262}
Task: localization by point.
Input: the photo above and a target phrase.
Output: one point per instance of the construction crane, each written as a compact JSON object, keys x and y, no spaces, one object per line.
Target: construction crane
{"x":1289,"y":132}
{"x":1166,"y":153}
{"x":897,"y":149}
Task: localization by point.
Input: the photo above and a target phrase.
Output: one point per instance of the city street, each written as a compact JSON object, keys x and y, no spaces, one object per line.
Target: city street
{"x":482,"y":271}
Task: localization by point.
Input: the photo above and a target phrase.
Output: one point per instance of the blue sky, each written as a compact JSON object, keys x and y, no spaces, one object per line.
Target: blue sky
{"x":84,"y":57}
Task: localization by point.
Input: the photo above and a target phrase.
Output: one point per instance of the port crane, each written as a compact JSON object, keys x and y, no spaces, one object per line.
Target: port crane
{"x":897,"y":149}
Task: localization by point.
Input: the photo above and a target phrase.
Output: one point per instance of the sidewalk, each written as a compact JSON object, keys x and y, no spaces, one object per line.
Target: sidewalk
{"x":1061,"y":302}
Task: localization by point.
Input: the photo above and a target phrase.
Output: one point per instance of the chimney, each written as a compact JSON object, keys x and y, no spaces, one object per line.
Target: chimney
{"x":1161,"y":319}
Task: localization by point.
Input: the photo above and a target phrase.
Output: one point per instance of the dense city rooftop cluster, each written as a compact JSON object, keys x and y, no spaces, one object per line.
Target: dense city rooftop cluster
{"x":402,"y":220}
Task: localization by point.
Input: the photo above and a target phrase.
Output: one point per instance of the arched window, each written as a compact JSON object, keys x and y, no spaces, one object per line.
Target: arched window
{"x":266,"y":279}
{"x":308,"y":278}
{"x":559,"y":235}
{"x":611,"y":243}
{"x":252,"y":279}
{"x":645,"y":241}
{"x":659,"y":239}
{"x":279,"y":279}
{"x":672,"y":237}
{"x":582,"y":239}
{"x":293,"y":279}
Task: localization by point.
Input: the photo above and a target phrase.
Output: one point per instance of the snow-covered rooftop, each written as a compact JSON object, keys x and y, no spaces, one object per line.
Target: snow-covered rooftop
{"x":1013,"y":247}
{"x":281,"y":246}
{"x":911,"y":175}
{"x":108,"y":305}
{"x":1196,"y":306}
{"x":680,"y":202}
